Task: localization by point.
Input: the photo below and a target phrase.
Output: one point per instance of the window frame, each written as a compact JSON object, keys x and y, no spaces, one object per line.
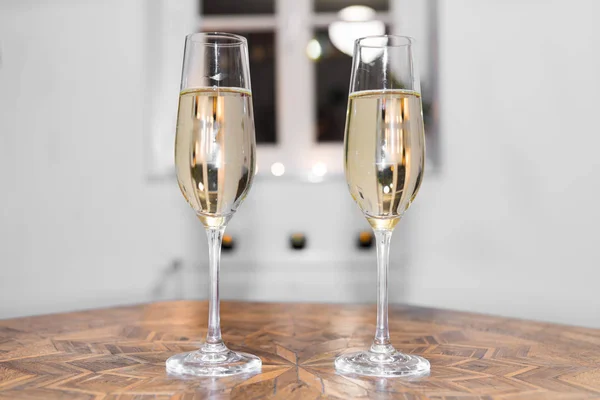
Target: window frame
{"x":293,"y":24}
{"x":296,"y":147}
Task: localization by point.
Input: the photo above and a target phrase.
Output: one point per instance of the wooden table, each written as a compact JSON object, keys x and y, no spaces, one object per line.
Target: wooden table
{"x":120,"y":353}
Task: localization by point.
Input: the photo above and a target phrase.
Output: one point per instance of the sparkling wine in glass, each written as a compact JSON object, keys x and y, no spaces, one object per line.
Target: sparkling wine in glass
{"x":215,"y":158}
{"x":384,"y":156}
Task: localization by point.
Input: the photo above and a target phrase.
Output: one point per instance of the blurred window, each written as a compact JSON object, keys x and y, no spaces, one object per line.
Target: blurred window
{"x":291,"y":40}
{"x":333,"y":62}
{"x":237,"y":7}
{"x":255,"y":21}
{"x":337,"y":5}
{"x":261,"y":48}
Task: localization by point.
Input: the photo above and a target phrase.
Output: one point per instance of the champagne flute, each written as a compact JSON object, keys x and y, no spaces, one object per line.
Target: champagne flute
{"x":215,"y":157}
{"x":384,"y":156}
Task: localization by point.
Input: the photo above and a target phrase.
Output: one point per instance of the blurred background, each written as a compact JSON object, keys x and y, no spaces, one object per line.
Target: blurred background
{"x":506,"y":221}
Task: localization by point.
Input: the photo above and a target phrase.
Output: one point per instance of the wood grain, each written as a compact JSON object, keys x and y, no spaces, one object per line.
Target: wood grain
{"x":119,"y":354}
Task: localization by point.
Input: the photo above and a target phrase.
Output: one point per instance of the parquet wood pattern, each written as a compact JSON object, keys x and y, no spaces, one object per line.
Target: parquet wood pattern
{"x":120,"y":353}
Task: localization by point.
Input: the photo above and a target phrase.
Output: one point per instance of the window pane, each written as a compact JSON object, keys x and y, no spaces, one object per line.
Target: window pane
{"x":337,"y":5}
{"x":261,"y":49}
{"x":237,"y":7}
{"x":332,"y":82}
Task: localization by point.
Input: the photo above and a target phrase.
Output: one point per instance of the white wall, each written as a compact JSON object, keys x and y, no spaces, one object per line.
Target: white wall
{"x":329,"y":269}
{"x":510,"y":224}
{"x":85,"y":86}
{"x":507,"y":225}
{"x":80,"y":226}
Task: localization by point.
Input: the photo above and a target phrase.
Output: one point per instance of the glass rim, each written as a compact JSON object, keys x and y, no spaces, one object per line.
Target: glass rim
{"x":234,"y":40}
{"x":408,"y":40}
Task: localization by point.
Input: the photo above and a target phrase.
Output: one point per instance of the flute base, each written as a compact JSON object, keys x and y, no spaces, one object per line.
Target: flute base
{"x":389,"y":364}
{"x":207,"y":362}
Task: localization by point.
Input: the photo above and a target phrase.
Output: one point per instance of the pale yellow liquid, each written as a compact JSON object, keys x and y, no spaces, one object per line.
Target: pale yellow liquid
{"x":384,"y":151}
{"x":215,"y":151}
